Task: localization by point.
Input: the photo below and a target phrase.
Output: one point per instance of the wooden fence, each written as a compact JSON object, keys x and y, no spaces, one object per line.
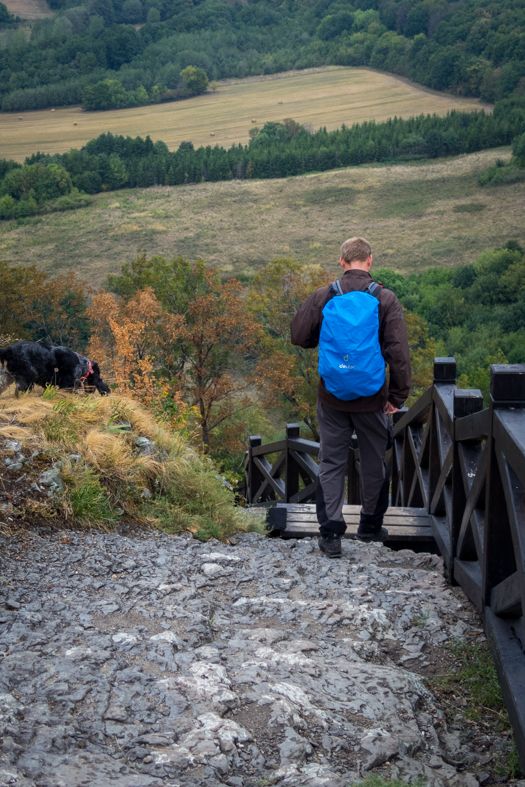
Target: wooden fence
{"x":464,"y":465}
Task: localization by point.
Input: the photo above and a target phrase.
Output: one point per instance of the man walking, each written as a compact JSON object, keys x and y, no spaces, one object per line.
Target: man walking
{"x":359,"y":326}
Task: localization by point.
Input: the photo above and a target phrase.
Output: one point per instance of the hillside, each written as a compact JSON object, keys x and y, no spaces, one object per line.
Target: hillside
{"x":319,"y":97}
{"x":476,"y":48}
{"x":416,"y":216}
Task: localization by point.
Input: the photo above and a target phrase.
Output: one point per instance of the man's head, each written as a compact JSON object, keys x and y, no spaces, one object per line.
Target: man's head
{"x":356,"y":253}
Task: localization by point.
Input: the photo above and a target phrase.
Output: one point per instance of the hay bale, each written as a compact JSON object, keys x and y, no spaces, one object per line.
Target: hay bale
{"x":212,"y":134}
{"x":20,"y":117}
{"x":253,"y":120}
{"x":52,"y":110}
{"x":75,"y":124}
{"x":280,"y":102}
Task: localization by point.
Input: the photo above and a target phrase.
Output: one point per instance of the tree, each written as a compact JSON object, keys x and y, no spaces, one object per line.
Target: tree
{"x":106,"y":94}
{"x":335,"y":24}
{"x":195,"y":80}
{"x":422,"y":354}
{"x":32,"y":306}
{"x":215,"y":338}
{"x":153,"y":16}
{"x":134,"y":342}
{"x":132,"y":11}
{"x":6,"y":18}
{"x":218,"y":334}
{"x":285,"y":374}
{"x":518,"y":150}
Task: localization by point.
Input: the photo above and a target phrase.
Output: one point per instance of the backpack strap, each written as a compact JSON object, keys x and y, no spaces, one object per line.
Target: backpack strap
{"x":333,"y":290}
{"x":373,"y":289}
{"x":336,"y":289}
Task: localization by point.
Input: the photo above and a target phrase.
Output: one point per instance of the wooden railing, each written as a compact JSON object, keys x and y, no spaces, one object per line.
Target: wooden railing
{"x":292,"y":477}
{"x":463,"y":464}
{"x":466,"y":466}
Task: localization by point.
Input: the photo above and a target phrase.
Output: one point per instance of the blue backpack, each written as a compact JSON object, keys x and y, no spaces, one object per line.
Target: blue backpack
{"x":350,"y":359}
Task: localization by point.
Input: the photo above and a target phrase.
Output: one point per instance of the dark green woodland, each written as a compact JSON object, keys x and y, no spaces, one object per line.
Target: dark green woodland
{"x":474,"y":48}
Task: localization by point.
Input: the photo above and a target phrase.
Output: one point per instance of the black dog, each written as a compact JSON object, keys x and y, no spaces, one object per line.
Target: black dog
{"x":72,"y":370}
{"x":29,"y":363}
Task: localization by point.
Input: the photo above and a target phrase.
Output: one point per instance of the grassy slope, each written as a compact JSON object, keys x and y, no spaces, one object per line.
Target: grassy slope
{"x":105,"y":480}
{"x":409,"y":213}
{"x":322,"y":97}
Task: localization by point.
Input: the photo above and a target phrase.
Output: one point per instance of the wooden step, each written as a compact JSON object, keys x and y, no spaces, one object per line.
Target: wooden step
{"x":292,"y":520}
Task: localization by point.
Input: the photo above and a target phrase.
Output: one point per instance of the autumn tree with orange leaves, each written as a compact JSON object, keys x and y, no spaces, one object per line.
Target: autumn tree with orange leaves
{"x":179,"y":323}
{"x":286,"y":375}
{"x":135,"y":343}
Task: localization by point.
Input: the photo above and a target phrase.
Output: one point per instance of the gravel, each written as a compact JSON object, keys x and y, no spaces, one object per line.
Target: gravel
{"x":130,"y":660}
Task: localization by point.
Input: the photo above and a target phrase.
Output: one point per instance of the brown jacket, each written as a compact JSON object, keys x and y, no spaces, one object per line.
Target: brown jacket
{"x":306,"y":327}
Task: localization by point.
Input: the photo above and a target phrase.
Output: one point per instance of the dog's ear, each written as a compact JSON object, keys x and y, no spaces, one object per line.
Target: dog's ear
{"x":96,"y":368}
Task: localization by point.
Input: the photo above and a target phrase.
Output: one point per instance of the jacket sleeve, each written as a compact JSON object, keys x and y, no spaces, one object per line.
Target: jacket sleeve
{"x":396,"y":352}
{"x":306,"y":325}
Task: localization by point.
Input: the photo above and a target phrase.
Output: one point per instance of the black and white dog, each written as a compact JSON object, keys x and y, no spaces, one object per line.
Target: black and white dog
{"x":29,"y":363}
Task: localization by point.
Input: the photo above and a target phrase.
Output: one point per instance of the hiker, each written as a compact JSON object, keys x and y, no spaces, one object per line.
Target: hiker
{"x":359,"y":326}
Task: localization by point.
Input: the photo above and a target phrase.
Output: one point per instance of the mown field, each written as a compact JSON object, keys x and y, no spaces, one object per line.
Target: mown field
{"x":415,"y":217}
{"x":28,"y":9}
{"x":327,"y":97}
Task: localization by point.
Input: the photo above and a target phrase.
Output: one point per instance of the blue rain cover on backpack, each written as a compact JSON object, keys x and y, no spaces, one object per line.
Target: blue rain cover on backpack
{"x":350,"y":359}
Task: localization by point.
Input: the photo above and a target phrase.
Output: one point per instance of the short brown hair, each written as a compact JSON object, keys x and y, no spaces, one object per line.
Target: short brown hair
{"x":355,"y":249}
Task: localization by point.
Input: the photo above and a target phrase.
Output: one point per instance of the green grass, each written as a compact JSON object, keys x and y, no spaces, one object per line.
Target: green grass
{"x":471,"y":694}
{"x":86,"y":496}
{"x":478,"y":675}
{"x":416,"y":217}
{"x":470,"y":207}
{"x":374,"y":780}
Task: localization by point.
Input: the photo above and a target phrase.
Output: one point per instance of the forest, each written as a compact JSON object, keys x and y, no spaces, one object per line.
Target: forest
{"x":473,"y":48}
{"x":202,"y":350}
{"x":277,"y":150}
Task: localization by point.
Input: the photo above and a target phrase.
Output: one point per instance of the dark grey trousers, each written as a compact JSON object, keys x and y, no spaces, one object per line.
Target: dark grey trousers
{"x":373,"y":432}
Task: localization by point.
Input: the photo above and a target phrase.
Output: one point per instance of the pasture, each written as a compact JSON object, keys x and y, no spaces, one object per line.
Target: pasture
{"x":327,"y":97}
{"x":28,"y":10}
{"x":416,"y":216}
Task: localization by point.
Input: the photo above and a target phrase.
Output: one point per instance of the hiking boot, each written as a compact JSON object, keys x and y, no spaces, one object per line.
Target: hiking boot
{"x":330,"y":544}
{"x":366,"y":538}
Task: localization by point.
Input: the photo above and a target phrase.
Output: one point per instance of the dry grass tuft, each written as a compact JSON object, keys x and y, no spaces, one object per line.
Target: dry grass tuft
{"x":167,"y":485}
{"x":13,"y":432}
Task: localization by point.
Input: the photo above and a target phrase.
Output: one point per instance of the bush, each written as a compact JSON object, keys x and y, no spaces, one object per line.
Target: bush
{"x":501,"y":176}
{"x":195,"y":80}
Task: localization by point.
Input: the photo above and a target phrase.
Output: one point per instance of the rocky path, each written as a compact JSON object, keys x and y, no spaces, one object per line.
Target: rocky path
{"x":156,"y":661}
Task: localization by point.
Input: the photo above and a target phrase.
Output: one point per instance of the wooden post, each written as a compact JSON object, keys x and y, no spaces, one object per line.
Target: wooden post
{"x":507,"y":389}
{"x":396,"y":471}
{"x":353,"y":494}
{"x":444,"y":370}
{"x":292,"y":470}
{"x":466,"y":402}
{"x":444,"y":373}
{"x":255,"y":477}
{"x":507,"y":385}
